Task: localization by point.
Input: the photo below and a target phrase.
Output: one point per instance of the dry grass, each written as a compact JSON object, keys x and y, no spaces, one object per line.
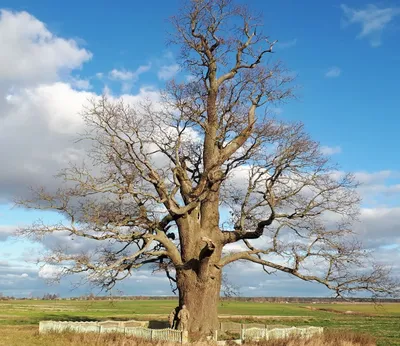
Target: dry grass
{"x":327,"y":339}
{"x":29,"y":336}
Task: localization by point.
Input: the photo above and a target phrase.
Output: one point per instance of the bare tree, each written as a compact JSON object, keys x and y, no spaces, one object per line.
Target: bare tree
{"x":162,"y":173}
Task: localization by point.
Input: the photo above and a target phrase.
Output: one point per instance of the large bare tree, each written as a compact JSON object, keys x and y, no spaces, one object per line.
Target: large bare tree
{"x":163,"y":172}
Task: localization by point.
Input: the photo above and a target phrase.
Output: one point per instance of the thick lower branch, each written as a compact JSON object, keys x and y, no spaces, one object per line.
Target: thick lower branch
{"x":376,"y":281}
{"x":232,"y":237}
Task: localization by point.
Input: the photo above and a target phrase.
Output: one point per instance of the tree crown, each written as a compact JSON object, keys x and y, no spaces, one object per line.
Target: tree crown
{"x":161,"y":172}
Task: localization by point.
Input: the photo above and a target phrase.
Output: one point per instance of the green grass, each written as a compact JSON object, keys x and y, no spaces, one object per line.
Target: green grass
{"x":382,"y":321}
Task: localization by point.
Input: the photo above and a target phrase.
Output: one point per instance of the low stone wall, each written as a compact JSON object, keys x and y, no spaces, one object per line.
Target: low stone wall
{"x":279,"y":333}
{"x":266,"y":333}
{"x":136,"y":328}
{"x":140,"y":329}
{"x":229,"y":326}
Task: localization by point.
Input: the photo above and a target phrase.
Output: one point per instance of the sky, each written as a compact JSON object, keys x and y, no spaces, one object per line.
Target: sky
{"x":56,"y":55}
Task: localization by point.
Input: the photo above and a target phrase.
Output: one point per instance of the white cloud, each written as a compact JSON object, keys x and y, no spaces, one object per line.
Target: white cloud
{"x":325,"y":150}
{"x":379,"y":189}
{"x":47,"y":119}
{"x":379,"y":227}
{"x":333,"y":72}
{"x":168,"y":71}
{"x":31,"y":53}
{"x":374,"y":177}
{"x":121,"y":74}
{"x":49,"y":271}
{"x":81,"y":84}
{"x":128,"y":78}
{"x":40,"y":106}
{"x":57,"y":104}
{"x":372,"y":19}
{"x":37,"y":110}
{"x":6,"y":232}
{"x":126,"y":75}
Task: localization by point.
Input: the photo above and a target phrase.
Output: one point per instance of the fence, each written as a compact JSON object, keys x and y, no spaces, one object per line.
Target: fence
{"x":278,"y":333}
{"x":139,"y":329}
{"x":228,"y":326}
{"x":135,"y":328}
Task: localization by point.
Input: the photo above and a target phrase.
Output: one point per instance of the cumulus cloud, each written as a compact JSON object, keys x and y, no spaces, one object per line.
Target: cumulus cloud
{"x":368,"y":178}
{"x":121,"y":74}
{"x":128,"y":78}
{"x":6,"y":232}
{"x":126,"y":75}
{"x":81,"y":84}
{"x":168,"y":71}
{"x":49,"y":272}
{"x":40,"y":106}
{"x":379,"y":227}
{"x":31,"y":53}
{"x":38,"y":130}
{"x":379,"y":189}
{"x":333,"y":72}
{"x":372,"y":19}
{"x":325,"y":150}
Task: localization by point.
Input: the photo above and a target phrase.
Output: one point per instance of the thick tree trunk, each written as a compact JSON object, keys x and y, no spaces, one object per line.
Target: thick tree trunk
{"x":199,"y":278}
{"x":201,"y":297}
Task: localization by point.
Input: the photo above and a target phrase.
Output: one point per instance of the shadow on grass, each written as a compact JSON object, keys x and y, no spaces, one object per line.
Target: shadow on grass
{"x":158,"y":324}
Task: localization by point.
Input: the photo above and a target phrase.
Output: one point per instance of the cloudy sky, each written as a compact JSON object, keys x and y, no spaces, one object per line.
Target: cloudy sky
{"x":56,"y":55}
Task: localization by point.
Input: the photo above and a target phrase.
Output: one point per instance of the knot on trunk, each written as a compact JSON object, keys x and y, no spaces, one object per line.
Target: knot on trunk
{"x":204,"y":258}
{"x":208,"y":250}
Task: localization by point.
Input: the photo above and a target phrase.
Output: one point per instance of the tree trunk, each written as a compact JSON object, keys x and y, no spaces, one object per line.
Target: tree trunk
{"x":201,"y":297}
{"x":199,"y":279}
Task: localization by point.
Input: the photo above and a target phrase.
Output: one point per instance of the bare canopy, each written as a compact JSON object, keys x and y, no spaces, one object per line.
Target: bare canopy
{"x":162,"y":172}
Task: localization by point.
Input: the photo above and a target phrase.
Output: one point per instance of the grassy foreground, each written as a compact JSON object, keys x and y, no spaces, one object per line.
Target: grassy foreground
{"x":19,"y":319}
{"x":15,"y":336}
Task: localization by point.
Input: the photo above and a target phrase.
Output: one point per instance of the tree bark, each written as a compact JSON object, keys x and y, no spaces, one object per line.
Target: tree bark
{"x":199,"y":278}
{"x":201,"y":297}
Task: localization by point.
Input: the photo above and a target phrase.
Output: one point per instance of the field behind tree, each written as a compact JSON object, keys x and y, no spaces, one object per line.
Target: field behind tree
{"x":19,"y":318}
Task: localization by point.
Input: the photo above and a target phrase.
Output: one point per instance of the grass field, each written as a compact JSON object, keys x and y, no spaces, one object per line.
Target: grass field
{"x":19,"y":319}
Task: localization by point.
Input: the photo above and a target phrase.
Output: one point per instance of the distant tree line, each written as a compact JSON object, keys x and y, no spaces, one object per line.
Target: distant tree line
{"x":317,"y":300}
{"x":49,"y":296}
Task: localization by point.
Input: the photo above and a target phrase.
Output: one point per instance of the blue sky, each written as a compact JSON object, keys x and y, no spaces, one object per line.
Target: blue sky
{"x":353,"y":110}
{"x":346,"y":56}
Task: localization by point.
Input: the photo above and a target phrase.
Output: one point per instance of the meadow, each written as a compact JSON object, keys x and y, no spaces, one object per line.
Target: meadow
{"x":19,"y":318}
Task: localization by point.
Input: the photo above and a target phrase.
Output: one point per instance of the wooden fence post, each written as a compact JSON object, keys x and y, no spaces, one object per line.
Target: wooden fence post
{"x":215,"y":336}
{"x":184,"y":337}
{"x":241,"y":331}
